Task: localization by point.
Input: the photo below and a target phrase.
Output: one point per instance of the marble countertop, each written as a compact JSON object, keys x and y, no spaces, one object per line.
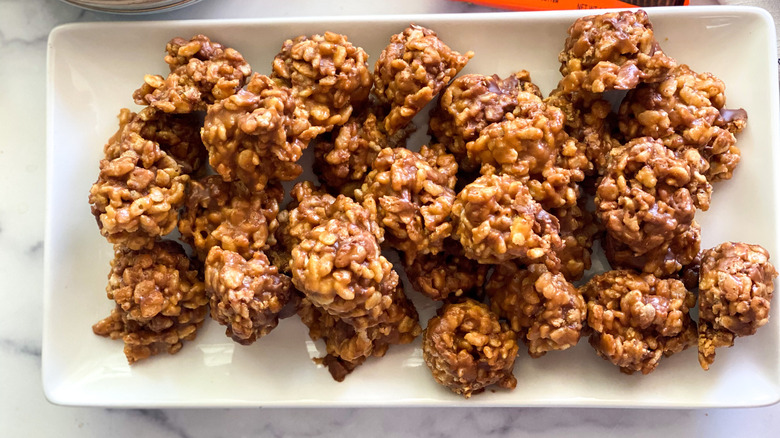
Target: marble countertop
{"x":24,"y":28}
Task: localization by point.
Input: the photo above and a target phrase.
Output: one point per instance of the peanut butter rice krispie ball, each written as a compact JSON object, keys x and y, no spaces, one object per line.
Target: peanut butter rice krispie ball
{"x":129,"y":123}
{"x":138,"y":191}
{"x":312,"y":206}
{"x":736,"y":284}
{"x":578,"y":230}
{"x":467,"y":348}
{"x":687,"y":110}
{"x":542,"y":307}
{"x":160,"y":301}
{"x":411,"y":71}
{"x":589,"y":120}
{"x":616,"y":50}
{"x":257,"y":135}
{"x":638,"y":318}
{"x":496,"y":220}
{"x":247,"y":296}
{"x":202,"y":73}
{"x":336,"y":258}
{"x":343,"y":158}
{"x":447,"y":274}
{"x":338,"y":265}
{"x":314,"y":210}
{"x":228,"y":215}
{"x":280,"y":253}
{"x":177,"y":134}
{"x":670,"y":259}
{"x":531,"y":144}
{"x":329,"y":76}
{"x":413,"y":198}
{"x":648,"y":193}
{"x":309,"y":207}
{"x":348,"y":346}
{"x":438,"y":157}
{"x":469,"y":104}
{"x":524,"y":140}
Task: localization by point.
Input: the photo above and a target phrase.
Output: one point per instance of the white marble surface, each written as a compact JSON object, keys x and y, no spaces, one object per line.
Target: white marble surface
{"x":24,"y":27}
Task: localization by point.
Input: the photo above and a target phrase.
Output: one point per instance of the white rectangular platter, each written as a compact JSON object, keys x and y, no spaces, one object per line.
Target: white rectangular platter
{"x":94,"y":68}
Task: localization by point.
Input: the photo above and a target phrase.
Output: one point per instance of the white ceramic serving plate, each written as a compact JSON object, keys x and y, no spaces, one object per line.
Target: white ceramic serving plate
{"x":94,"y":68}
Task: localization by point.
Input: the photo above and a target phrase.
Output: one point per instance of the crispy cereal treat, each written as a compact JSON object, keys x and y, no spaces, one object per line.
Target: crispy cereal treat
{"x":736,"y":284}
{"x":542,"y":307}
{"x":530,"y":143}
{"x":343,"y":158}
{"x":413,"y":198}
{"x":524,"y":140}
{"x":578,"y":230}
{"x":346,"y":157}
{"x":637,"y":318}
{"x":315,"y":203}
{"x":160,"y":301}
{"x":671,"y":259}
{"x":339,"y":266}
{"x":177,"y":134}
{"x":309,"y":207}
{"x":336,"y":258}
{"x":467,"y":348}
{"x":709,"y":340}
{"x":438,"y":157}
{"x":648,"y":193}
{"x":328,"y":75}
{"x":129,"y":123}
{"x":616,"y":50}
{"x":312,"y":206}
{"x":202,"y":72}
{"x":228,"y":215}
{"x":447,"y":274}
{"x":138,"y":191}
{"x":496,"y":220}
{"x":280,"y":253}
{"x":588,"y":119}
{"x":246,"y":295}
{"x":687,"y":110}
{"x":348,"y":346}
{"x":257,"y":135}
{"x":411,"y":71}
{"x":469,"y":104}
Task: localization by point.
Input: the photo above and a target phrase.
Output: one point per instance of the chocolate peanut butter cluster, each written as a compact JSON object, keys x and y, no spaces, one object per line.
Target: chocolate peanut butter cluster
{"x":160,"y":300}
{"x":636,"y":319}
{"x":736,"y":284}
{"x":467,"y":348}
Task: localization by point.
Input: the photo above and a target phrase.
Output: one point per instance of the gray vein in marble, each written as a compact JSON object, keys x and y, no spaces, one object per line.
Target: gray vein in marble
{"x":15,"y":347}
{"x":160,"y":419}
{"x":5,"y":42}
{"x":27,"y":22}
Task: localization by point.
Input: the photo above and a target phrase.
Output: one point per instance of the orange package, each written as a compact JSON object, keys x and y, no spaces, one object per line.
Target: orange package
{"x":547,"y":5}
